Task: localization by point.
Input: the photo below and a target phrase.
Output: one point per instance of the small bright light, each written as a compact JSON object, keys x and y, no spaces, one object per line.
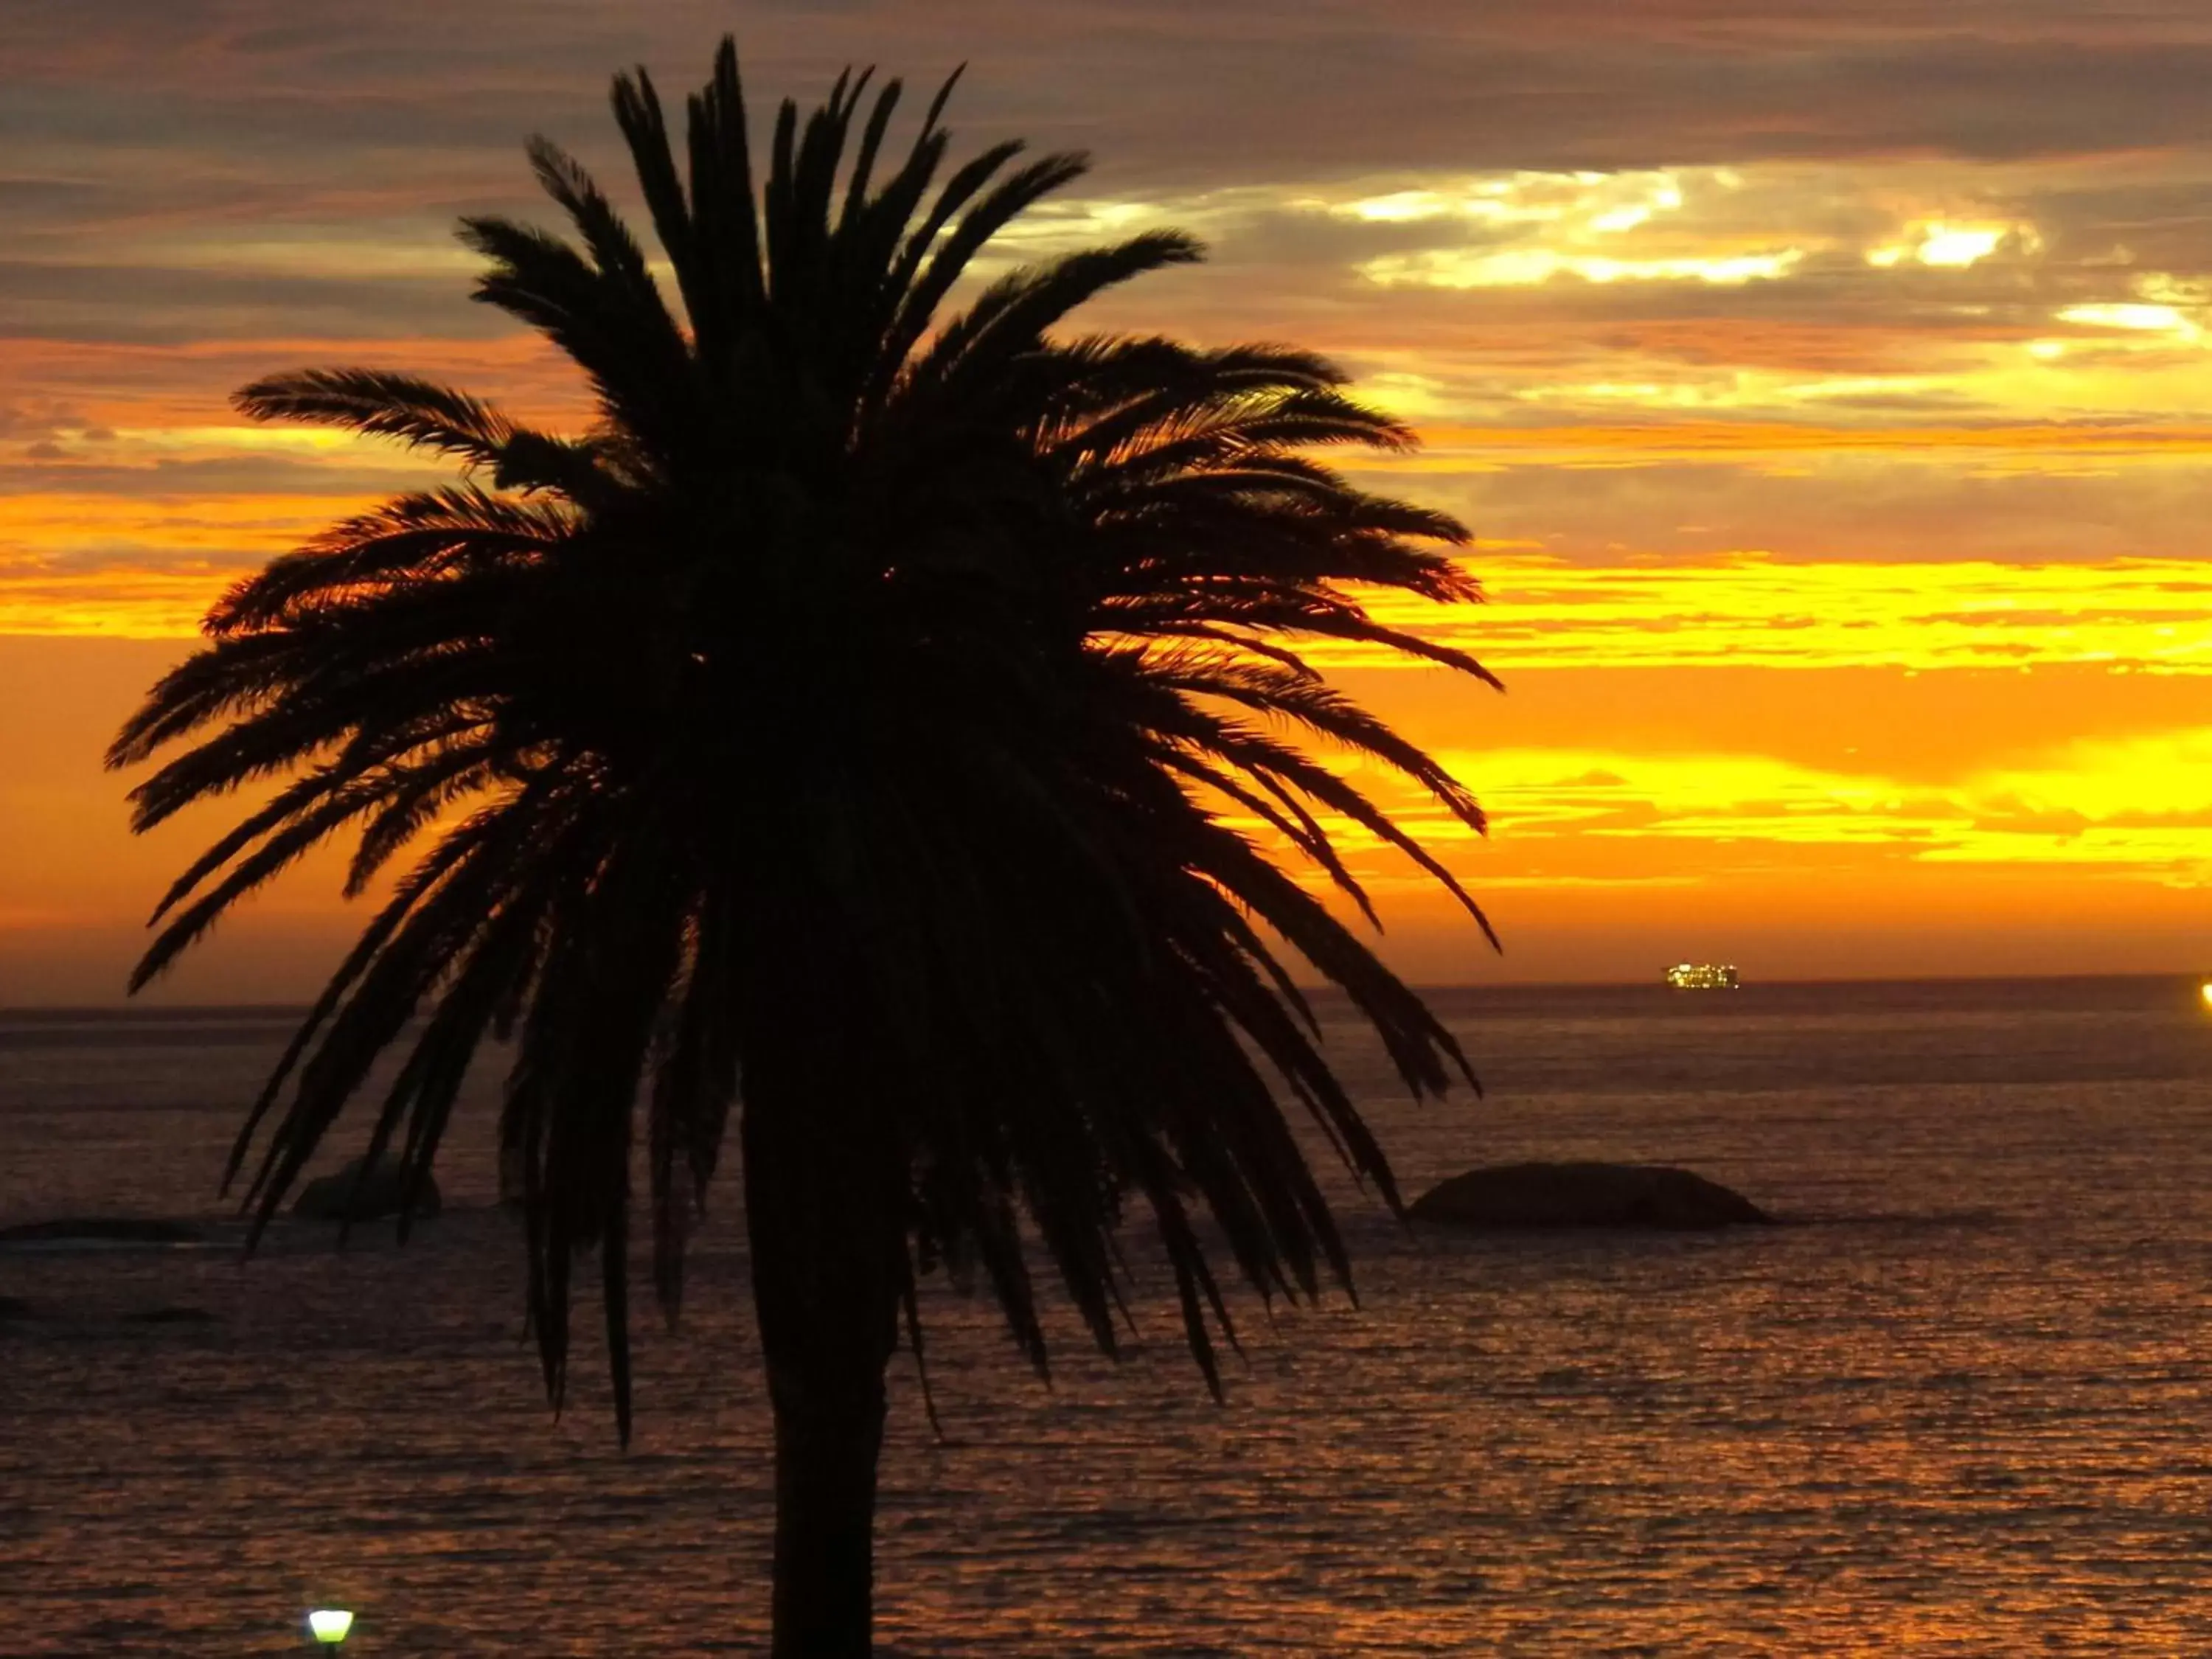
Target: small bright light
{"x":329,"y":1625}
{"x":2205,"y":991}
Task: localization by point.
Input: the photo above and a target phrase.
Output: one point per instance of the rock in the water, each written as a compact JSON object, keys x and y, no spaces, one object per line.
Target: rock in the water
{"x":1585,"y":1195}
{"x":170,"y":1316}
{"x":334,"y":1197}
{"x":101,"y":1229}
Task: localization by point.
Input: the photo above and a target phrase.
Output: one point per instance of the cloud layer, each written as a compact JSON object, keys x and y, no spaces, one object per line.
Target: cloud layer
{"x":1768,"y":350}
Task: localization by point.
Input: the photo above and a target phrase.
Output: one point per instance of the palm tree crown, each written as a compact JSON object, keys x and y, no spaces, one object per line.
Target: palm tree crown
{"x":853,"y":726}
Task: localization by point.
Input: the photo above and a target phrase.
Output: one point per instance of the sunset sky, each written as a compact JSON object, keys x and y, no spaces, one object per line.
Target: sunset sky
{"x":1828,"y":384}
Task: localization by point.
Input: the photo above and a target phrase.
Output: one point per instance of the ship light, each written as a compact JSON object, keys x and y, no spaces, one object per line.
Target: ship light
{"x":2205,"y":991}
{"x":329,"y":1626}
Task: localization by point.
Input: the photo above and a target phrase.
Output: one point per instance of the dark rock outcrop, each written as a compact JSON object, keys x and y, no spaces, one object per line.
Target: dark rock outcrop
{"x":101,"y":1229}
{"x":1646,"y":1195}
{"x":170,"y":1316}
{"x":14,"y":1309}
{"x":345,"y":1196}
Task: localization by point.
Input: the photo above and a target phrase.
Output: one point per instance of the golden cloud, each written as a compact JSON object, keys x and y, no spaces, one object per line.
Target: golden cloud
{"x":2141,"y":808}
{"x":2126,"y":616}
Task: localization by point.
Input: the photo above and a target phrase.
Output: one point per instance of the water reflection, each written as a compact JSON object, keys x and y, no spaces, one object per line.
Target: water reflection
{"x":1962,"y":1413}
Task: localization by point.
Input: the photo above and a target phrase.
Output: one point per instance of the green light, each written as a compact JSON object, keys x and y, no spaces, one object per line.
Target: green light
{"x":329,"y":1625}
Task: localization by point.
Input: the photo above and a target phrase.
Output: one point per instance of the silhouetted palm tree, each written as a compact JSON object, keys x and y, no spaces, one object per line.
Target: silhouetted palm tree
{"x":848,"y":728}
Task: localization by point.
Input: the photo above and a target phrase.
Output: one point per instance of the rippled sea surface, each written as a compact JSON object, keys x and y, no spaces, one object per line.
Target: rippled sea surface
{"x":1965,"y":1407}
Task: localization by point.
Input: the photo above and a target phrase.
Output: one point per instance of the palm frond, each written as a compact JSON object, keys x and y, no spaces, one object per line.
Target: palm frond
{"x":418,"y":413}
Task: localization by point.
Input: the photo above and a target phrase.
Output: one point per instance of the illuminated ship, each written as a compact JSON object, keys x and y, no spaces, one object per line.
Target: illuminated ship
{"x":1704,"y":976}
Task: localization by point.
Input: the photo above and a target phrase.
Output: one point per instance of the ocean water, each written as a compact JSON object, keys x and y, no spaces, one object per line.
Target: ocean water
{"x":1965,"y":1405}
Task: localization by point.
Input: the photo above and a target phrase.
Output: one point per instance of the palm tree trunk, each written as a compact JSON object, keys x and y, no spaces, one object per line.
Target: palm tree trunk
{"x":826,"y":1446}
{"x":825,"y":1200}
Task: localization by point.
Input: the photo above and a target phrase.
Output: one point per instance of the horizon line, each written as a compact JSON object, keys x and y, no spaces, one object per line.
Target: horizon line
{"x":291,"y":1010}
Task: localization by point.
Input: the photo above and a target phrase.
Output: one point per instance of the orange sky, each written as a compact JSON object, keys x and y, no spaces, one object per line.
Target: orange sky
{"x":1829,"y":392}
